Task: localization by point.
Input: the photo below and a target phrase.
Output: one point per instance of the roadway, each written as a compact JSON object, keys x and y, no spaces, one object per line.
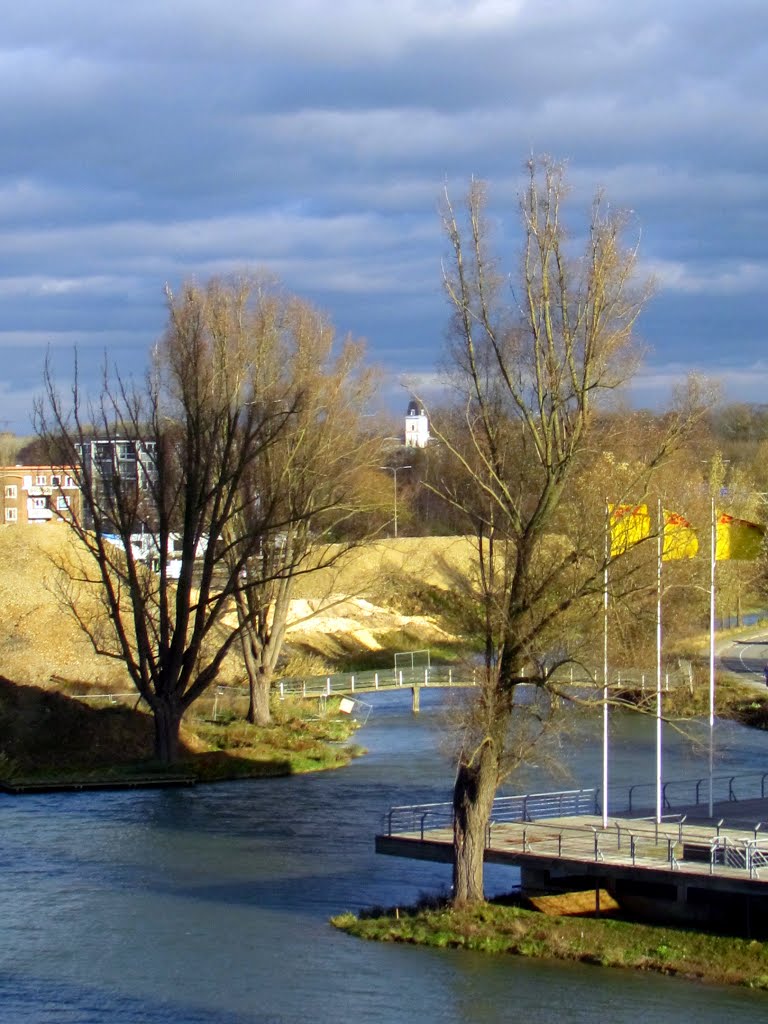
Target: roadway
{"x":746,"y":657}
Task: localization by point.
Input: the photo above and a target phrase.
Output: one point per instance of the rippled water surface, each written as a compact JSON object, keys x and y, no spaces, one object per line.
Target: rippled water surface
{"x":210,"y":905}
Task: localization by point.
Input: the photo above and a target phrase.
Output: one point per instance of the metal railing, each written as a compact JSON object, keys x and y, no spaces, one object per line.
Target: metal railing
{"x":449,"y":675}
{"x":386,"y":679}
{"x":695,"y":792}
{"x":674,"y":845}
{"x":421,"y":818}
{"x":573,"y":802}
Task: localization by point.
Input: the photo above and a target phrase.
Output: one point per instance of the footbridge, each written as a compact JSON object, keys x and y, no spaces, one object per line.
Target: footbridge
{"x":353,"y":683}
{"x":441,"y":676}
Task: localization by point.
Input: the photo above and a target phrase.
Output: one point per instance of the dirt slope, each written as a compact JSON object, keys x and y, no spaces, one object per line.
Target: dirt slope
{"x":41,"y":644}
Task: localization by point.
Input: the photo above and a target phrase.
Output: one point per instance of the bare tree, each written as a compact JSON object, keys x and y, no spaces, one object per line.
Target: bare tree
{"x":313,"y":480}
{"x":533,"y":363}
{"x":180,"y":462}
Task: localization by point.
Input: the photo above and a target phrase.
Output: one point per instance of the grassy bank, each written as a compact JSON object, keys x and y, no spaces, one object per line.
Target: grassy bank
{"x":498,"y":928}
{"x":734,"y":699}
{"x":50,"y":737}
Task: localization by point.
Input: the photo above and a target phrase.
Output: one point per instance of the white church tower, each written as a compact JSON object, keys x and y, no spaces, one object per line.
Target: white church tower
{"x":416,"y":426}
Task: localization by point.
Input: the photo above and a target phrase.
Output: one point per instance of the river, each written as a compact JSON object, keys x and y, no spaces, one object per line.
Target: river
{"x":210,"y":905}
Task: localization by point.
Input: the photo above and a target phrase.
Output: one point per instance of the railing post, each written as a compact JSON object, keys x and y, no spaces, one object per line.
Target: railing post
{"x":327,"y":685}
{"x":376,"y":680}
{"x":282,"y":688}
{"x":353,"y":683}
{"x":401,"y":677}
{"x":450,"y":676}
{"x":304,"y":688}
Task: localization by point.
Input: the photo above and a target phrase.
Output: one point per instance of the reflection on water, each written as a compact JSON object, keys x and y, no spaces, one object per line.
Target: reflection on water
{"x":210,"y":905}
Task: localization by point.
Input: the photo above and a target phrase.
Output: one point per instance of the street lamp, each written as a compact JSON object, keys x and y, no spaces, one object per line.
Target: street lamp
{"x":394,"y":470}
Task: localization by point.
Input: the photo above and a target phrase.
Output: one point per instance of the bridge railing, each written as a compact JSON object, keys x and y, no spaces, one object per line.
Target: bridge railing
{"x":680,"y":794}
{"x":454,"y":675}
{"x":421,"y":818}
{"x":694,"y":792}
{"x":381,"y":679}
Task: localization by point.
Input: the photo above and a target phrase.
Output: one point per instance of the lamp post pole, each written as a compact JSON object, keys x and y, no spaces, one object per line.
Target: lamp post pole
{"x":394,"y":470}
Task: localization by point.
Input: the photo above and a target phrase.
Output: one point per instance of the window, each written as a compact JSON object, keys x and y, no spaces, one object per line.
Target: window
{"x":61,"y":503}
{"x":10,"y":491}
{"x":39,"y":503}
{"x":55,"y":481}
{"x":40,"y":480}
{"x":11,"y":515}
{"x":69,"y":482}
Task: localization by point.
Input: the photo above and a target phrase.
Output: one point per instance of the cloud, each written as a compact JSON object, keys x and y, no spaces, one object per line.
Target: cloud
{"x":150,"y":142}
{"x":654,"y":385}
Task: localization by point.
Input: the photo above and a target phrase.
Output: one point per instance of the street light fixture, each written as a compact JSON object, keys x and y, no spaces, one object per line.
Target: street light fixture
{"x":394,"y":470}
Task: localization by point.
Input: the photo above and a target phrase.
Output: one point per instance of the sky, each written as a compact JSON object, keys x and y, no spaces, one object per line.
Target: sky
{"x":153,"y":142}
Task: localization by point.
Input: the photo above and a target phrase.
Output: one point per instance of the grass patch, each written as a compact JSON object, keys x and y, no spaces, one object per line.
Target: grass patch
{"x":734,"y":699}
{"x":47,"y":737}
{"x":502,"y":928}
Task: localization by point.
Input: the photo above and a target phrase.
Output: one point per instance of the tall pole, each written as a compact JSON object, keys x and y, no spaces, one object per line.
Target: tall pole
{"x":712,"y":563}
{"x":394,"y":470}
{"x":660,"y":555}
{"x":394,"y":484}
{"x":605,"y":665}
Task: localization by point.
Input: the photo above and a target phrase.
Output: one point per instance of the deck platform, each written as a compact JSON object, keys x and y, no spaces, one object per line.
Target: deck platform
{"x":688,"y":867}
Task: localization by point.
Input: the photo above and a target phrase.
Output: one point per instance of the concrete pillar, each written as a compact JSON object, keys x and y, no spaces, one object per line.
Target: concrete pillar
{"x":415,"y":699}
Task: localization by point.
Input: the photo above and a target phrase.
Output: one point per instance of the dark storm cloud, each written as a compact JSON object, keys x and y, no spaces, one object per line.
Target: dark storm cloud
{"x":148,"y":142}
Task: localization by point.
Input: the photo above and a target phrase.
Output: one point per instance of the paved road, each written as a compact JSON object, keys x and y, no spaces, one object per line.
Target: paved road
{"x":746,"y":657}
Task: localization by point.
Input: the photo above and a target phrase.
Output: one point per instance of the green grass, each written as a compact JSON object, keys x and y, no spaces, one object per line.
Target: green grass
{"x":734,"y":699}
{"x":502,"y":929}
{"x":50,"y":737}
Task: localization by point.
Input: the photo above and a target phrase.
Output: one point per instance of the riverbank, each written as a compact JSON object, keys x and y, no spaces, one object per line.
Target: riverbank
{"x":609,"y":942}
{"x":54,"y":741}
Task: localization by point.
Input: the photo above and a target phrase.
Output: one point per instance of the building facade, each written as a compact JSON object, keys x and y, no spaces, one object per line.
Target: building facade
{"x":38,"y":494}
{"x":416,"y":426}
{"x":107,"y":463}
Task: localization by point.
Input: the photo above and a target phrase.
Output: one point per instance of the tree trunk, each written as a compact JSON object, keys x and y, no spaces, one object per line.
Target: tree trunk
{"x":473,"y":797}
{"x":259,"y":687}
{"x":167,"y":724}
{"x":259,"y":676}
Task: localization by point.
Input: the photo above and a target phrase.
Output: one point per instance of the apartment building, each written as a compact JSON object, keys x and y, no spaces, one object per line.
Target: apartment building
{"x":37,"y":494}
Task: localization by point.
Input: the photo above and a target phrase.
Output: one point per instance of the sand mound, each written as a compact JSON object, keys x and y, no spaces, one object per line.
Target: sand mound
{"x":41,"y":644}
{"x":356,"y":619}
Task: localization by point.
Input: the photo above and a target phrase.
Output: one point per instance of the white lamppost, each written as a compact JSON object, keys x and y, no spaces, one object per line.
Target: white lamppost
{"x":394,"y":470}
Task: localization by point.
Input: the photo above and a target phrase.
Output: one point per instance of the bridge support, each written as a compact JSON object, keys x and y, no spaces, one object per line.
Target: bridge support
{"x":415,"y":699}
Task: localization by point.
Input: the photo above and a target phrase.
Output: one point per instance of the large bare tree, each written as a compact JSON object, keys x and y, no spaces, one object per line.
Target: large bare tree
{"x":312,"y":480}
{"x":185,"y":460}
{"x":534,"y":356}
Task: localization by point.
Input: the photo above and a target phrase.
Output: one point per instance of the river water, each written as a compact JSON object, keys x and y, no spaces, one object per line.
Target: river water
{"x":211,"y":905}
